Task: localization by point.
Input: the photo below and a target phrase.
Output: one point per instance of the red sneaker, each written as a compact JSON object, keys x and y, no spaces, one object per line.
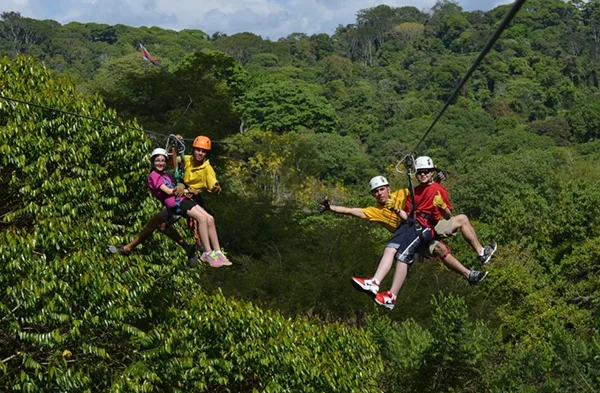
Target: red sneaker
{"x":369,"y":285}
{"x":386,"y":299}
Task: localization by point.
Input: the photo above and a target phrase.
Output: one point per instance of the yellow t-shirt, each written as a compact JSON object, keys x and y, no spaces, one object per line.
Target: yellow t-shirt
{"x":387,"y":218}
{"x":200,"y":177}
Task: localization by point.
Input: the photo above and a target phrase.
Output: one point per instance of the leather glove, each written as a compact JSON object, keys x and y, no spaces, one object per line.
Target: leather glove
{"x":324,"y":206}
{"x":390,"y":204}
{"x":216,"y":189}
{"x":193,"y":191}
{"x":179,"y":190}
{"x":439,"y":202}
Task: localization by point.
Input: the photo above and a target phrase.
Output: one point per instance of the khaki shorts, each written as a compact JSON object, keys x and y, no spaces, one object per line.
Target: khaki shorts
{"x":443,"y":229}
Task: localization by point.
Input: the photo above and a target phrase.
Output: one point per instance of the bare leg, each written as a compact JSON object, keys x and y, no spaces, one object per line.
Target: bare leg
{"x":399,"y":277}
{"x":449,"y":260}
{"x":173,"y":235}
{"x":212,"y":231}
{"x":197,"y":214}
{"x":154,"y":222}
{"x":385,"y":264}
{"x":462,"y":221}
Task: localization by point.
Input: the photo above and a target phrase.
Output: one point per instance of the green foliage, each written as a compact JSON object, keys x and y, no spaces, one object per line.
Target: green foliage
{"x":584,"y":118}
{"x":456,"y":359}
{"x":556,"y":128}
{"x":76,"y":319}
{"x":284,"y":106}
{"x":342,"y":159}
{"x":403,"y":348}
{"x":305,"y":117}
{"x":198,"y":94}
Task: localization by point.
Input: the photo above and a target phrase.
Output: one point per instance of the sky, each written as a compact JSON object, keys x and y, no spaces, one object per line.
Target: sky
{"x":271,"y":19}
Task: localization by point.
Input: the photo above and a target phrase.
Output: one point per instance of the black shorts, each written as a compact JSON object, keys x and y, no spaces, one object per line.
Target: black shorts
{"x":407,"y":239}
{"x":198,"y":199}
{"x":182,"y":207}
{"x":186,"y":205}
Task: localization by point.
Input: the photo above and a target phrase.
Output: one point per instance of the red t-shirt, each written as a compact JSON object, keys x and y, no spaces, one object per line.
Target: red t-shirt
{"x":424,"y":203}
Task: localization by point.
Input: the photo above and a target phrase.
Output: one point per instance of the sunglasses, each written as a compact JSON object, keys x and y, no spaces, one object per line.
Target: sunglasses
{"x":424,"y":172}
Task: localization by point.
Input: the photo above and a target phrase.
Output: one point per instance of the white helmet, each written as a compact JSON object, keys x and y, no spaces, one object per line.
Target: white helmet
{"x":424,"y":162}
{"x":159,"y":151}
{"x":378,"y":181}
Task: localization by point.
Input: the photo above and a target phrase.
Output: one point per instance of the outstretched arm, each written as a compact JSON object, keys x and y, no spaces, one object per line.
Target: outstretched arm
{"x":350,"y":211}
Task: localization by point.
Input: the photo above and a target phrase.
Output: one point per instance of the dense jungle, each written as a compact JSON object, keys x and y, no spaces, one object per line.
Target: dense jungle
{"x":293,"y":120}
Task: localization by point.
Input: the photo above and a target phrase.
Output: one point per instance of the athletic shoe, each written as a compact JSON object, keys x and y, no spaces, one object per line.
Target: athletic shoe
{"x":116,"y":250}
{"x":191,"y":255}
{"x":475,"y":276}
{"x":221,"y":257}
{"x":488,"y":251}
{"x":368,"y":285}
{"x":208,"y":258}
{"x":386,"y":299}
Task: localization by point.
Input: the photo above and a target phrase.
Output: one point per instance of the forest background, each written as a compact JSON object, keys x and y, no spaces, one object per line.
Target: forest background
{"x":292,"y":121}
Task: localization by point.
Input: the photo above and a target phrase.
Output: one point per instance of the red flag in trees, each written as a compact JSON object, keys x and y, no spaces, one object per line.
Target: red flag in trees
{"x":146,"y":56}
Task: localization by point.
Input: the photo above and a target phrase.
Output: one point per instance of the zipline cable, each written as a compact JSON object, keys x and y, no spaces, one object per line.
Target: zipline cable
{"x":112,"y":123}
{"x":513,"y":11}
{"x":108,"y":122}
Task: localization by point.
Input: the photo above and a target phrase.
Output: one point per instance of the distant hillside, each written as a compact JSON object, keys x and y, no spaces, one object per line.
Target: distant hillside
{"x":293,"y":121}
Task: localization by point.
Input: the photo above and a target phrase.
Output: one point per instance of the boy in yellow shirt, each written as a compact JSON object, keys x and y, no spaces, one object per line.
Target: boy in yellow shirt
{"x":199,"y":176}
{"x":385,"y":214}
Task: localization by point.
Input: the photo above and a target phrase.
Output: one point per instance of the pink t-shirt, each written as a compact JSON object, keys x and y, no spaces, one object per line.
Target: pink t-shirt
{"x":155,"y":180}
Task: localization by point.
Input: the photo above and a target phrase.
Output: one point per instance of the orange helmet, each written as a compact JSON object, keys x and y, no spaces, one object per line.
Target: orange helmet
{"x":202,"y":142}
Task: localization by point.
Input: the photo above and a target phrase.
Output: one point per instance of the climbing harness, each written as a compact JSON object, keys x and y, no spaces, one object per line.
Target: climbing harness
{"x":176,"y":148}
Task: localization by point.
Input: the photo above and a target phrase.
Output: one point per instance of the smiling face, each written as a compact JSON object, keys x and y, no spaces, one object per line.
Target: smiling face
{"x":159,"y":163}
{"x":424,"y":176}
{"x":200,"y":155}
{"x":382,"y":194}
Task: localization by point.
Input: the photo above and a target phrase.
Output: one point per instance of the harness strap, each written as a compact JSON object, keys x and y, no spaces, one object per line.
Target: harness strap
{"x":428,"y":217}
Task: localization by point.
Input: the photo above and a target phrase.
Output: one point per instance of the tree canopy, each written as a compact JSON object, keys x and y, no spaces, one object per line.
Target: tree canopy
{"x":293,"y":121}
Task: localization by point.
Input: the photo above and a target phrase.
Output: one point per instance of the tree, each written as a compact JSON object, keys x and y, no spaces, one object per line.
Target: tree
{"x":408,"y":32}
{"x":198,"y":94}
{"x":323,"y":45}
{"x":584,"y":117}
{"x":284,"y":106}
{"x":76,"y":319}
{"x":21,"y":32}
{"x":240,"y":46}
{"x":336,"y":68}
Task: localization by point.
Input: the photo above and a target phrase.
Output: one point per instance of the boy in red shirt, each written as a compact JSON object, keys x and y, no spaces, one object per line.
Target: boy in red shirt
{"x":430,"y":204}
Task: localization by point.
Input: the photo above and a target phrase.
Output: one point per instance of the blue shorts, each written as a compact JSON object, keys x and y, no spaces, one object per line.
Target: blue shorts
{"x":407,"y":239}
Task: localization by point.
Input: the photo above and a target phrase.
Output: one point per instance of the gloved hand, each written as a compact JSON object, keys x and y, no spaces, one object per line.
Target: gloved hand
{"x":390,"y":204}
{"x":439,"y":202}
{"x":324,"y":206}
{"x":441,"y":175}
{"x":179,"y":190}
{"x":216,"y":189}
